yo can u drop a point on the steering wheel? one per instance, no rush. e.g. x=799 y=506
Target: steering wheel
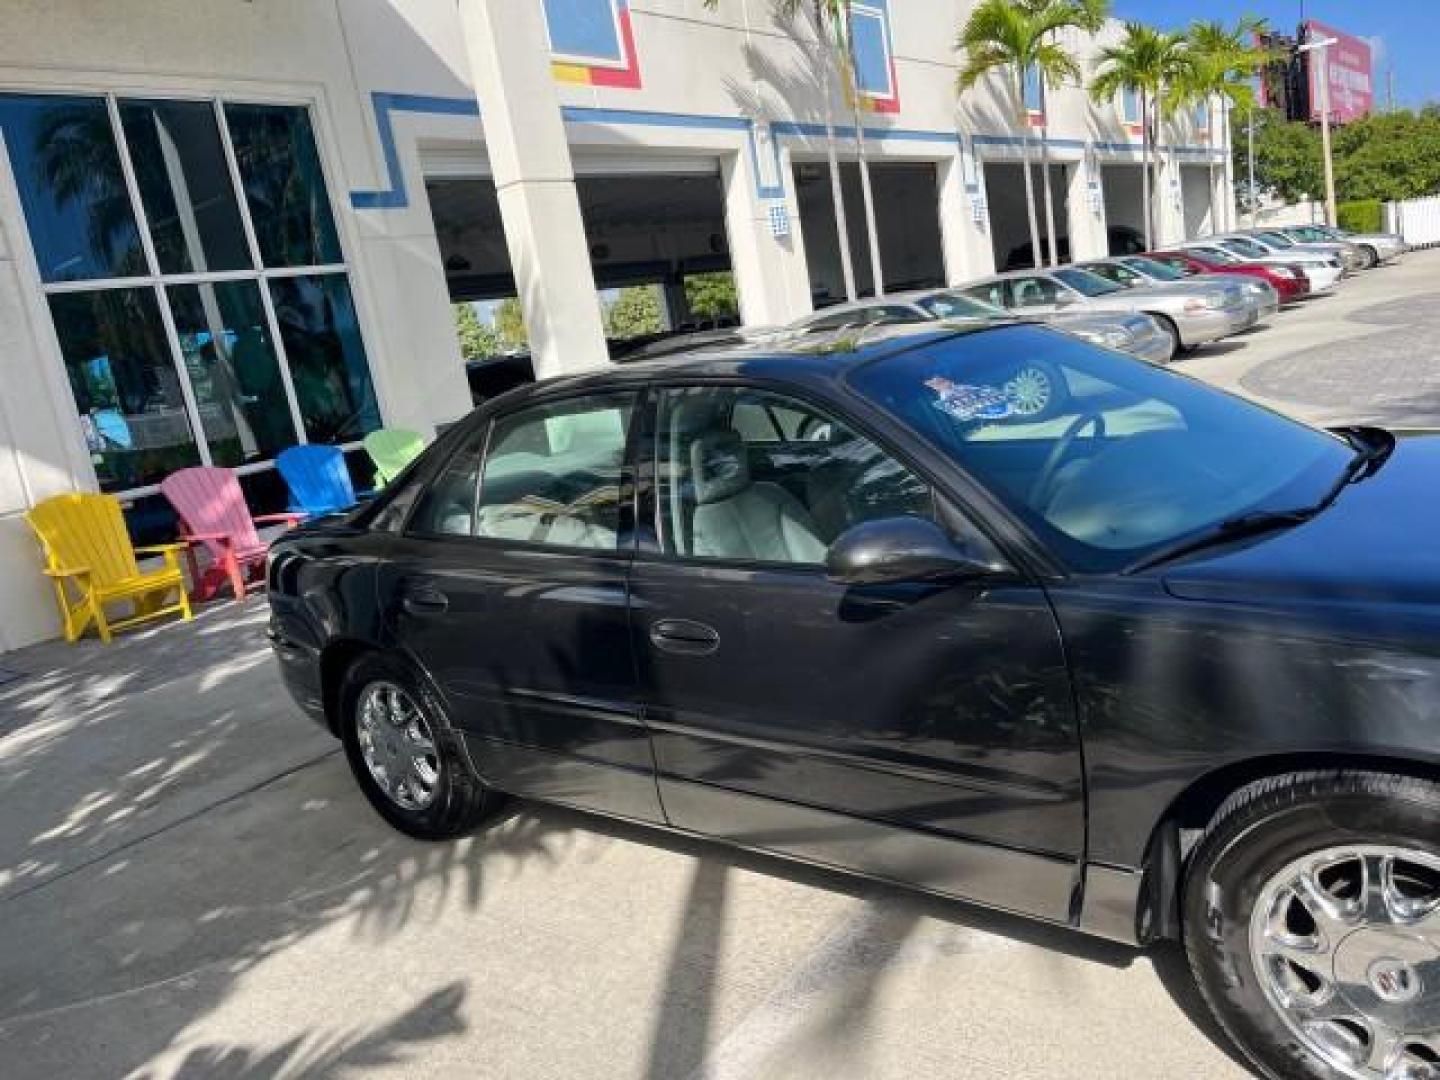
x=1040 y=490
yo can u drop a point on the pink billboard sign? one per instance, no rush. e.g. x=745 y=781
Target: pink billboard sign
x=1352 y=88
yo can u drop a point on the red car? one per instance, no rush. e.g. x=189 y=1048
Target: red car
x=1289 y=281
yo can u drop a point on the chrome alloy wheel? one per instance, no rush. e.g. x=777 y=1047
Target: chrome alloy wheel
x=398 y=746
x=1029 y=392
x=1346 y=945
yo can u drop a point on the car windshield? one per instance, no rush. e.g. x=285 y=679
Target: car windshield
x=1086 y=283
x=956 y=305
x=1116 y=272
x=1155 y=268
x=1246 y=247
x=1218 y=255
x=1278 y=239
x=1114 y=458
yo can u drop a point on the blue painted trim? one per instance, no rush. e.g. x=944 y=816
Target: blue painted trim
x=801 y=129
x=395 y=196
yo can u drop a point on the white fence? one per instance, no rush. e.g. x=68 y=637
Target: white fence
x=1417 y=220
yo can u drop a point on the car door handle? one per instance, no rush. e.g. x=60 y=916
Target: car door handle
x=684 y=637
x=424 y=601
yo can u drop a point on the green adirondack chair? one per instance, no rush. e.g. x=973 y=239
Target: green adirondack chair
x=391 y=449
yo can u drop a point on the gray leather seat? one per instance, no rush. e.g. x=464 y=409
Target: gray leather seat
x=737 y=518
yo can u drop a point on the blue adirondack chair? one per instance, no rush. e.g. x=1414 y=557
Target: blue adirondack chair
x=318 y=480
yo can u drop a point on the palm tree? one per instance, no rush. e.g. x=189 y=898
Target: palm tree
x=829 y=20
x=1223 y=63
x=1147 y=62
x=1014 y=37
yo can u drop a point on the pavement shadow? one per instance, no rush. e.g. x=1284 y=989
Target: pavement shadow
x=317 y=1055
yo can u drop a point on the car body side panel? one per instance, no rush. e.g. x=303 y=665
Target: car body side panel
x=322 y=590
x=533 y=657
x=1170 y=692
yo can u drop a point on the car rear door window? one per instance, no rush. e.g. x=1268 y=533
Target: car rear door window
x=554 y=473
x=447 y=505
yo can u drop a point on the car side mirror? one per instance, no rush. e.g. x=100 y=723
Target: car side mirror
x=900 y=549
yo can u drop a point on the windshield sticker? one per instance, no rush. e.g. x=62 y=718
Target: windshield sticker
x=966 y=402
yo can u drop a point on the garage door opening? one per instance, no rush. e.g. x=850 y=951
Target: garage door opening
x=907 y=220
x=1195 y=189
x=1010 y=219
x=656 y=243
x=1124 y=208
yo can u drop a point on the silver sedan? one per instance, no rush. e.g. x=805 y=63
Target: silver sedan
x=1191 y=314
x=1376 y=248
x=1136 y=271
x=1129 y=332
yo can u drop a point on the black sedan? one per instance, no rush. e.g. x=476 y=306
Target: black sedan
x=1165 y=664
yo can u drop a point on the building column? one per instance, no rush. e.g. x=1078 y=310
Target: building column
x=964 y=242
x=1086 y=201
x=509 y=56
x=767 y=254
x=1170 y=213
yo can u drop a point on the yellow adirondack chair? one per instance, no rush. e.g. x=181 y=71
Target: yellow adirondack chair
x=91 y=562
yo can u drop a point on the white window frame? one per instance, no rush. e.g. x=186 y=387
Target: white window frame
x=157 y=281
x=614 y=63
x=881 y=17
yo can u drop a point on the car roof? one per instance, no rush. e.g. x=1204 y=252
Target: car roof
x=865 y=303
x=818 y=359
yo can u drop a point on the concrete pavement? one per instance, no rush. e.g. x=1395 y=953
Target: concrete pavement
x=191 y=886
x=1368 y=354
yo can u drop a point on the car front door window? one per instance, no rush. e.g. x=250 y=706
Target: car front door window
x=1034 y=292
x=732 y=488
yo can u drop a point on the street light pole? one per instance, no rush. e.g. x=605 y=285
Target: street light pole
x=1254 y=202
x=1323 y=46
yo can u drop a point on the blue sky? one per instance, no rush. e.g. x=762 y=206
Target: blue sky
x=1408 y=31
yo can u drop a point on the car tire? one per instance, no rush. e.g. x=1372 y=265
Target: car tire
x=1037 y=390
x=1172 y=331
x=1363 y=848
x=1370 y=257
x=387 y=717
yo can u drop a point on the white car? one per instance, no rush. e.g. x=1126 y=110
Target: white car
x=1324 y=271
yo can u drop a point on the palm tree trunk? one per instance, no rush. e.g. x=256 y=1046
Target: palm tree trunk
x=837 y=195
x=1036 y=258
x=872 y=233
x=1050 y=237
x=1049 y=195
x=1215 y=224
x=1145 y=172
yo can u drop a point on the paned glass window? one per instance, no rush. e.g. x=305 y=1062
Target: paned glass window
x=194 y=273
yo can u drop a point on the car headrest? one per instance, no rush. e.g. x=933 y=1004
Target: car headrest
x=718 y=466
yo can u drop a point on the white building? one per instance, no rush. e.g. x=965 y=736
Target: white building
x=230 y=225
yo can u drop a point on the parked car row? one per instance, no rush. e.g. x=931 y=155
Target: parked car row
x=1204 y=291
x=1153 y=305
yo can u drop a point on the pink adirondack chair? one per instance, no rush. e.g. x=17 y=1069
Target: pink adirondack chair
x=212 y=512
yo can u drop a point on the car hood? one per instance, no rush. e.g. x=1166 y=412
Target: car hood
x=1378 y=542
x=1133 y=322
x=1180 y=291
